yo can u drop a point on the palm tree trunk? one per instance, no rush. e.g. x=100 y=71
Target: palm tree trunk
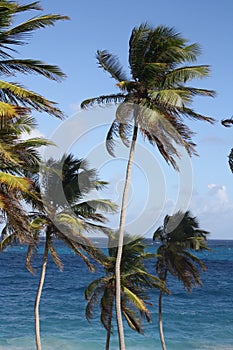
x=160 y=316
x=109 y=326
x=121 y=239
x=38 y=295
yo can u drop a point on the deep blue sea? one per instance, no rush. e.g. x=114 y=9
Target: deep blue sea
x=200 y=321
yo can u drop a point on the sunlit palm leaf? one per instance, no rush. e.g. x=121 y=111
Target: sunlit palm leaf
x=16 y=94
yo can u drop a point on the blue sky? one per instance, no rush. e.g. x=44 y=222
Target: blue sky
x=104 y=25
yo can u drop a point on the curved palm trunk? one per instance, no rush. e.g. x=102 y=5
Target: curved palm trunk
x=38 y=295
x=160 y=317
x=161 y=322
x=120 y=241
x=109 y=326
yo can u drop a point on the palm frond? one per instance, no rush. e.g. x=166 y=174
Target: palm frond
x=8 y=67
x=31 y=6
x=55 y=256
x=8 y=112
x=110 y=64
x=30 y=253
x=184 y=74
x=134 y=299
x=21 y=31
x=112 y=133
x=133 y=322
x=102 y=100
x=15 y=182
x=227 y=122
x=231 y=160
x=15 y=94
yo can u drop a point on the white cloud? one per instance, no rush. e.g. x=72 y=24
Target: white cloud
x=214 y=210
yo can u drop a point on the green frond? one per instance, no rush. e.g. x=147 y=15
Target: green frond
x=165 y=132
x=76 y=225
x=38 y=223
x=21 y=31
x=189 y=113
x=105 y=99
x=171 y=98
x=30 y=253
x=8 y=155
x=133 y=322
x=15 y=182
x=134 y=299
x=16 y=95
x=196 y=260
x=191 y=52
x=8 y=112
x=75 y=247
x=184 y=74
x=7 y=241
x=35 y=142
x=92 y=286
x=110 y=64
x=112 y=133
x=55 y=255
x=23 y=124
x=31 y=6
x=8 y=67
x=200 y=92
x=104 y=205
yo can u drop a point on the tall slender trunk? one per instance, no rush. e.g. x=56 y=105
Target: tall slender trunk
x=109 y=326
x=160 y=316
x=121 y=239
x=38 y=295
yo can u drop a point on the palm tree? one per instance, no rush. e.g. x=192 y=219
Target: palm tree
x=154 y=100
x=55 y=222
x=18 y=158
x=135 y=283
x=227 y=123
x=12 y=36
x=179 y=234
x=16 y=103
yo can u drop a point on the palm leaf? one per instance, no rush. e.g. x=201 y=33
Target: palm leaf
x=8 y=67
x=133 y=322
x=15 y=182
x=30 y=253
x=134 y=299
x=8 y=112
x=110 y=63
x=14 y=93
x=184 y=74
x=55 y=255
x=31 y=6
x=105 y=99
x=17 y=33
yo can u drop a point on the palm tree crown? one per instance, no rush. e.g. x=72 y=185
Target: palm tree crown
x=179 y=235
x=159 y=80
x=10 y=38
x=135 y=283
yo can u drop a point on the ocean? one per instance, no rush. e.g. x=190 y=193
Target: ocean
x=202 y=320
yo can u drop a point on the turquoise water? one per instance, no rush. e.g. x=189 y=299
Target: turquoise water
x=200 y=321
